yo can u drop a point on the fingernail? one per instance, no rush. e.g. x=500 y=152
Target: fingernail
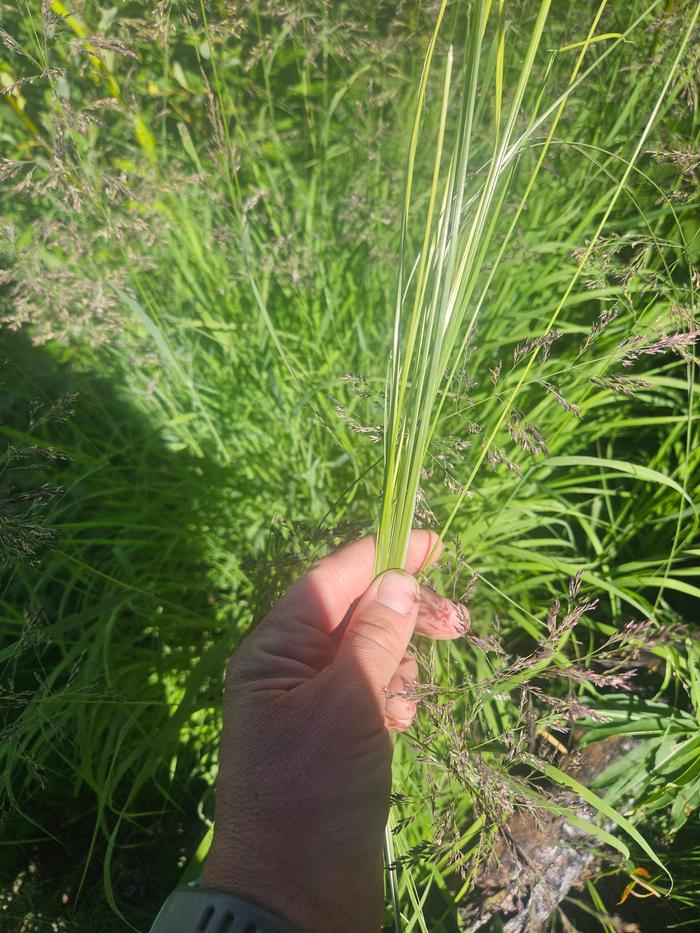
x=398 y=591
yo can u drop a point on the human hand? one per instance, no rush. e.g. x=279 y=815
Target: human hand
x=305 y=765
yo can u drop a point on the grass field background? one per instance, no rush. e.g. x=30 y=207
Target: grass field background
x=198 y=251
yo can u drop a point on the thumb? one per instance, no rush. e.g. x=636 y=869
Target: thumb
x=380 y=628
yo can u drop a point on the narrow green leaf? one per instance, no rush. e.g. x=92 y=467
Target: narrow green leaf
x=646 y=474
x=565 y=780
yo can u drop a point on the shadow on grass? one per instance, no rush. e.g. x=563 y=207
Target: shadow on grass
x=112 y=645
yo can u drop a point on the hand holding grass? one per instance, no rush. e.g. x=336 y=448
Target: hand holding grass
x=305 y=768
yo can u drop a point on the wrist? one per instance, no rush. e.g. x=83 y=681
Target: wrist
x=301 y=894
x=274 y=890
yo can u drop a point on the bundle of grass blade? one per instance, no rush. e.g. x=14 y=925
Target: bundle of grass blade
x=433 y=298
x=437 y=303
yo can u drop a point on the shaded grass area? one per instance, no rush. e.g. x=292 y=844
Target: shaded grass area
x=134 y=659
x=207 y=263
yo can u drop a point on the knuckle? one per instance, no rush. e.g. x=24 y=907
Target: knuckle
x=371 y=636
